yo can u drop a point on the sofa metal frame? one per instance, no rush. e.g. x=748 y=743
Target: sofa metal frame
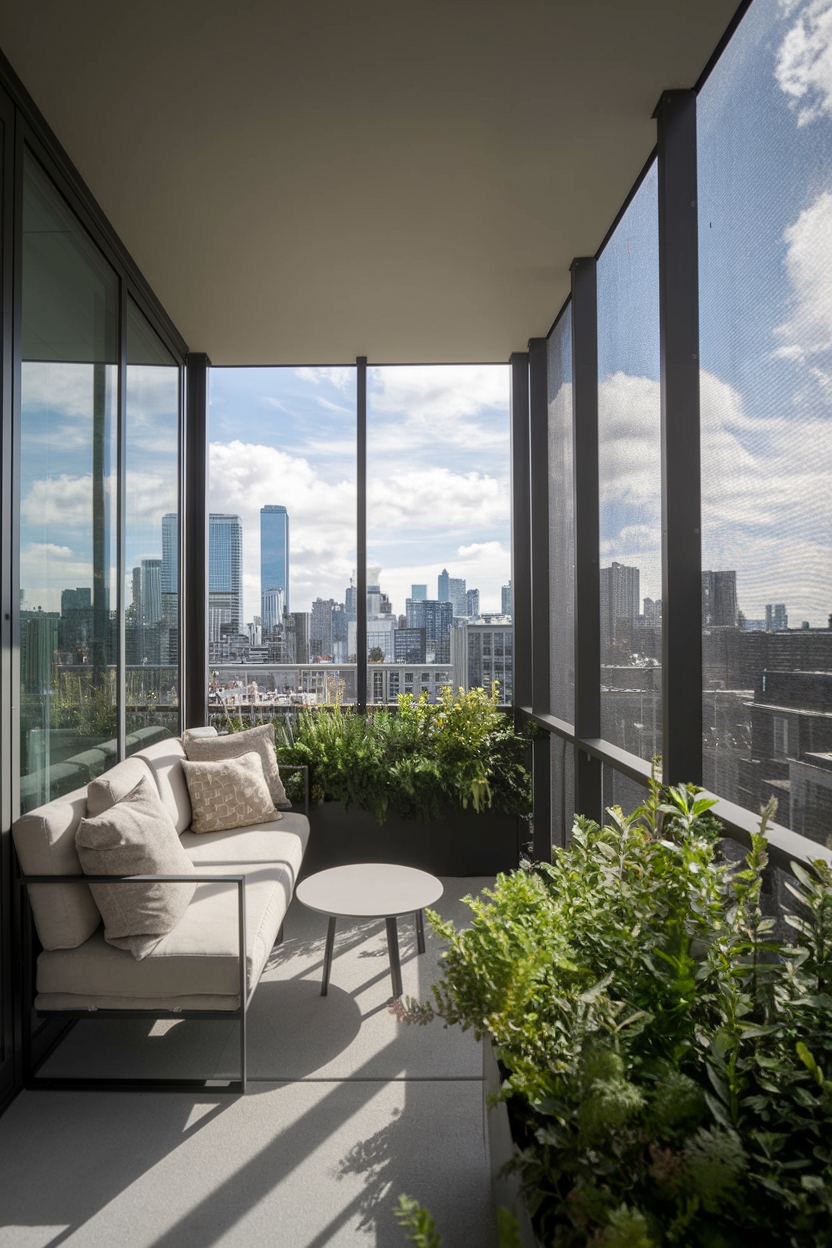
x=34 y=1082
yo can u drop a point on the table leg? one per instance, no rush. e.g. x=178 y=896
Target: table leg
x=395 y=963
x=330 y=944
x=420 y=930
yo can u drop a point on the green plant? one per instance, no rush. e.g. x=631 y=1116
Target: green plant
x=667 y=1062
x=459 y=751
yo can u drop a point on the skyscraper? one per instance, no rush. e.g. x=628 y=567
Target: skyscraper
x=419 y=593
x=225 y=573
x=456 y=594
x=274 y=551
x=443 y=592
x=719 y=599
x=505 y=599
x=170 y=553
x=472 y=599
x=619 y=601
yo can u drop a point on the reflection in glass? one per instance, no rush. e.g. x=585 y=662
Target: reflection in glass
x=438 y=529
x=561 y=521
x=629 y=467
x=765 y=231
x=151 y=634
x=281 y=565
x=68 y=633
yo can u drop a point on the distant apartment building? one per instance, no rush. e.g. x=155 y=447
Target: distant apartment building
x=482 y=654
x=619 y=603
x=274 y=552
x=409 y=645
x=472 y=604
x=505 y=600
x=777 y=620
x=320 y=628
x=418 y=593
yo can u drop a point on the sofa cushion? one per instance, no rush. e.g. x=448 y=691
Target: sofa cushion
x=136 y=836
x=65 y=914
x=283 y=842
x=164 y=758
x=198 y=958
x=116 y=784
x=233 y=745
x=228 y=793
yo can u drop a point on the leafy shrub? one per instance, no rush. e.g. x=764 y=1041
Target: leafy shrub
x=459 y=751
x=665 y=1058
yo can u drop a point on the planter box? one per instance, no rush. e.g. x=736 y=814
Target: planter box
x=459 y=842
x=497 y=1131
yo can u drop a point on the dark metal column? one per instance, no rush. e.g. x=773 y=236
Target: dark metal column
x=587 y=578
x=361 y=535
x=539 y=518
x=521 y=571
x=681 y=505
x=121 y=525
x=193 y=574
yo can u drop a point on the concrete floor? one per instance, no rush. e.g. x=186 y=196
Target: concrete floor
x=346 y=1108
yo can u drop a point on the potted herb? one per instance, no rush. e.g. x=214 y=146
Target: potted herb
x=666 y=1061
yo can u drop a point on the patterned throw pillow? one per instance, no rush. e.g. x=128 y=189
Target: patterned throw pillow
x=260 y=739
x=228 y=793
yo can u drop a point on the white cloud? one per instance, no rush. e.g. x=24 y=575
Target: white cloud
x=804 y=61
x=341 y=378
x=65 y=501
x=485 y=566
x=809 y=243
x=422 y=499
x=48 y=549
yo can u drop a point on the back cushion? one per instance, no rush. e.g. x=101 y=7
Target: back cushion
x=65 y=914
x=165 y=761
x=115 y=784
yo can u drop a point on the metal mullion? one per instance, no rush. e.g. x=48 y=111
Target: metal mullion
x=521 y=576
x=361 y=534
x=193 y=569
x=681 y=484
x=539 y=531
x=588 y=799
x=121 y=524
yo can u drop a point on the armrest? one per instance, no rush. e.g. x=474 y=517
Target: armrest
x=304 y=767
x=240 y=880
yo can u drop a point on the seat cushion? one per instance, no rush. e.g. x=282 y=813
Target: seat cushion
x=197 y=959
x=136 y=836
x=65 y=914
x=283 y=842
x=164 y=759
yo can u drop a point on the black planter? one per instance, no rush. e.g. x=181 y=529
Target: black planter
x=459 y=842
x=501 y=1148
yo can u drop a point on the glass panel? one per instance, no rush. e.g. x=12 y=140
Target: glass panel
x=69 y=378
x=561 y=522
x=629 y=465
x=151 y=536
x=282 y=503
x=438 y=523
x=765 y=231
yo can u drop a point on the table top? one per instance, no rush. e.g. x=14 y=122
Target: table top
x=369 y=890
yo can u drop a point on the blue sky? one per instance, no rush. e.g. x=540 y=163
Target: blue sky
x=437 y=473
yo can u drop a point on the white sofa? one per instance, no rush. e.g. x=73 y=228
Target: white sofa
x=196 y=967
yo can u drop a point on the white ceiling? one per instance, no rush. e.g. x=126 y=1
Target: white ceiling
x=409 y=180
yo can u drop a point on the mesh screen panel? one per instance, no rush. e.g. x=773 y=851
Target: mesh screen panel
x=561 y=522
x=629 y=463
x=765 y=231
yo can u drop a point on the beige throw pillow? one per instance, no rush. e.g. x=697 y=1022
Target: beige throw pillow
x=228 y=793
x=260 y=739
x=136 y=836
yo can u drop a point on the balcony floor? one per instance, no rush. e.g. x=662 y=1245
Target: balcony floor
x=345 y=1109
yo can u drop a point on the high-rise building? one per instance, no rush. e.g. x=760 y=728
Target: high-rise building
x=472 y=600
x=320 y=628
x=777 y=621
x=457 y=595
x=409 y=645
x=443 y=591
x=505 y=599
x=274 y=551
x=419 y=593
x=150 y=593
x=272 y=605
x=719 y=599
x=351 y=600
x=435 y=618
x=619 y=602
x=225 y=573
x=482 y=655
x=170 y=553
